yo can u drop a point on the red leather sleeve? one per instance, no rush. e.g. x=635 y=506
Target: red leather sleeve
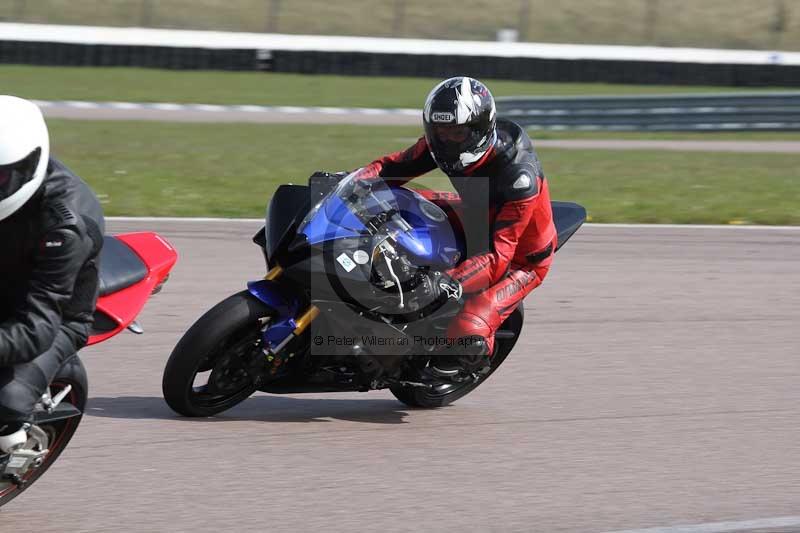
x=408 y=163
x=482 y=271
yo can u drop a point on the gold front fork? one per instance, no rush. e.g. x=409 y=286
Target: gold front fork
x=274 y=273
x=305 y=320
x=307 y=317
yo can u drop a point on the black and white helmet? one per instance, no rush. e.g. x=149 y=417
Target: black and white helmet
x=24 y=153
x=459 y=118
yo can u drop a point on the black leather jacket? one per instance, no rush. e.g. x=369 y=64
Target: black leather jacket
x=49 y=269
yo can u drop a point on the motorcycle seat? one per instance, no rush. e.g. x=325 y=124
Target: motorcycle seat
x=568 y=217
x=120 y=267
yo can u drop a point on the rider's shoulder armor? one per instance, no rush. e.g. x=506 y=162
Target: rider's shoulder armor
x=519 y=169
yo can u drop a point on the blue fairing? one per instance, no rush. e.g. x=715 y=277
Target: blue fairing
x=323 y=227
x=430 y=242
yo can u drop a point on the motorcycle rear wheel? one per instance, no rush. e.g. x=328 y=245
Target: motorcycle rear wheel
x=446 y=393
x=60 y=432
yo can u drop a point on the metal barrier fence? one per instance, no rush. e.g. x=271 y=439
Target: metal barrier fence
x=359 y=56
x=389 y=64
x=715 y=112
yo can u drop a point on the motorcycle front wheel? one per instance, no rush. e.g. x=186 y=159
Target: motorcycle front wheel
x=206 y=373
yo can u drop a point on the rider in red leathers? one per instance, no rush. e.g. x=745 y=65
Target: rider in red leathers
x=494 y=168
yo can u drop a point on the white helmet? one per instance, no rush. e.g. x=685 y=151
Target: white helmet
x=24 y=153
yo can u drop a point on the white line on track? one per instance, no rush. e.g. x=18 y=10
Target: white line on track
x=81 y=105
x=290 y=109
x=210 y=108
x=590 y=225
x=329 y=110
x=250 y=108
x=724 y=527
x=215 y=108
x=122 y=105
x=165 y=107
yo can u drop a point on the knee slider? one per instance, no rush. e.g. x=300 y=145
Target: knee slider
x=469 y=324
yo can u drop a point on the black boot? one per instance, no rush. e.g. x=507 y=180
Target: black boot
x=466 y=356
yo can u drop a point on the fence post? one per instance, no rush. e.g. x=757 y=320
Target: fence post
x=273 y=11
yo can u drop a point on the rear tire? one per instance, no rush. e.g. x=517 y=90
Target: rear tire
x=234 y=320
x=446 y=394
x=71 y=373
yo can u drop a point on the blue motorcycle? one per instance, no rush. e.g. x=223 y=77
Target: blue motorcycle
x=347 y=303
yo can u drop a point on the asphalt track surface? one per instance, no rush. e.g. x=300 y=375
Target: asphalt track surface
x=169 y=112
x=656 y=384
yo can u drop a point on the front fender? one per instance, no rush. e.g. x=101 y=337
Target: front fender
x=284 y=304
x=272 y=294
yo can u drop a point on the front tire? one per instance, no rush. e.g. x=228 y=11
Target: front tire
x=215 y=343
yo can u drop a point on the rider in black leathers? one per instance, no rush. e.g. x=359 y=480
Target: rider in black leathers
x=48 y=273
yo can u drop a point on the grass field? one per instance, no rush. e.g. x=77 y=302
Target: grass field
x=232 y=169
x=708 y=23
x=213 y=87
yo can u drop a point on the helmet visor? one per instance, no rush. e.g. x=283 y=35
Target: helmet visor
x=14 y=176
x=451 y=134
x=450 y=142
x=454 y=139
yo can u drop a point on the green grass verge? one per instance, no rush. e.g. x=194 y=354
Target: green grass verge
x=142 y=168
x=259 y=88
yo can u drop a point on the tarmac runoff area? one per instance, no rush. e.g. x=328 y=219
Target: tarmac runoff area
x=654 y=390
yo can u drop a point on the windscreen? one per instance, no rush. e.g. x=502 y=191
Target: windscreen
x=360 y=204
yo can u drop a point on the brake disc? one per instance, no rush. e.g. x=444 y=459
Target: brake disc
x=228 y=375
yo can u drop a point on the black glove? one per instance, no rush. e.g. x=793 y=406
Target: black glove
x=443 y=287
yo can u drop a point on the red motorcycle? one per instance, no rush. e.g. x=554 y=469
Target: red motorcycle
x=132 y=267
